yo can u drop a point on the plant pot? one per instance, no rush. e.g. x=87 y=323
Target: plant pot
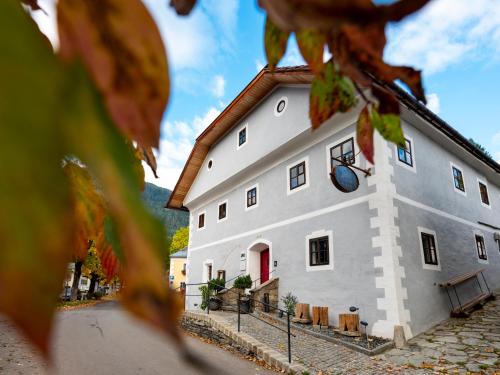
x=215 y=303
x=244 y=305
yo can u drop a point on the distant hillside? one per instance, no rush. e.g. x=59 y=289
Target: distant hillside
x=155 y=198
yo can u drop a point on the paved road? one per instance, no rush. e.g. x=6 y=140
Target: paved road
x=103 y=340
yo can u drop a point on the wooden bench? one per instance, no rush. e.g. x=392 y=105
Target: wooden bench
x=464 y=309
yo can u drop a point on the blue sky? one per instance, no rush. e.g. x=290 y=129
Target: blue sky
x=214 y=52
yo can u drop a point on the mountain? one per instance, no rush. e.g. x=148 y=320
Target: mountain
x=155 y=198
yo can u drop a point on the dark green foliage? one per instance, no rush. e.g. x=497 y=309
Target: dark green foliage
x=155 y=198
x=243 y=282
x=206 y=293
x=217 y=284
x=480 y=148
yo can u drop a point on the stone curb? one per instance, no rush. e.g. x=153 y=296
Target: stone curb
x=262 y=351
x=378 y=350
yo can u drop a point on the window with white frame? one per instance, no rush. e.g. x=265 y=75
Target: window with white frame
x=483 y=193
x=242 y=136
x=343 y=151
x=252 y=197
x=429 y=249
x=222 y=211
x=458 y=179
x=201 y=220
x=319 y=251
x=405 y=154
x=481 y=248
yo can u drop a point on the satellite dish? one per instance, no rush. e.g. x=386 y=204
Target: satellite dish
x=344 y=179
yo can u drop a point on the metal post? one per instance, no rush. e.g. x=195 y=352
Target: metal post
x=478 y=283
x=239 y=318
x=458 y=299
x=487 y=287
x=289 y=338
x=208 y=303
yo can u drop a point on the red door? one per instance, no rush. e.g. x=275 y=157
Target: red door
x=264 y=266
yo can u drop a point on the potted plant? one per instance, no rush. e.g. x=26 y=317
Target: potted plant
x=244 y=282
x=289 y=301
x=217 y=285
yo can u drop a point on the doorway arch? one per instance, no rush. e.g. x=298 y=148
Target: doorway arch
x=256 y=254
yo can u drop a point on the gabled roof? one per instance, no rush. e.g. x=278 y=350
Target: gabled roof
x=182 y=253
x=255 y=91
x=262 y=84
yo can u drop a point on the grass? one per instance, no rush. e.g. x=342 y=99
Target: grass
x=461 y=363
x=483 y=367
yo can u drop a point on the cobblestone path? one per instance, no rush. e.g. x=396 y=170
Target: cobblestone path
x=317 y=354
x=457 y=345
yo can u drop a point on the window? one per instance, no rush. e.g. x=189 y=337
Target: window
x=318 y=251
x=252 y=197
x=481 y=249
x=201 y=220
x=405 y=154
x=429 y=249
x=210 y=164
x=458 y=179
x=221 y=274
x=183 y=285
x=242 y=137
x=209 y=272
x=298 y=175
x=280 y=107
x=483 y=191
x=343 y=151
x=222 y=211
x=84 y=282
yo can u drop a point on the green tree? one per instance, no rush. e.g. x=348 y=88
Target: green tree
x=480 y=147
x=92 y=269
x=179 y=240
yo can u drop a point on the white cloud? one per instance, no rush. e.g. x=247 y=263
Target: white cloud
x=259 y=65
x=176 y=147
x=218 y=86
x=224 y=15
x=446 y=33
x=433 y=102
x=495 y=141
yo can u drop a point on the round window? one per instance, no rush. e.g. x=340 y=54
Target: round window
x=280 y=106
x=210 y=163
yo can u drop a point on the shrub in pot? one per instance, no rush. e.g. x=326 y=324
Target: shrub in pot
x=243 y=282
x=217 y=284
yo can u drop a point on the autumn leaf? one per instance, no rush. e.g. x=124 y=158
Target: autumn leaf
x=36 y=225
x=146 y=154
x=389 y=126
x=311 y=44
x=121 y=47
x=364 y=134
x=275 y=41
x=142 y=238
x=324 y=15
x=330 y=93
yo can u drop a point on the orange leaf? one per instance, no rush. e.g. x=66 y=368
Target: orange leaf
x=121 y=47
x=364 y=134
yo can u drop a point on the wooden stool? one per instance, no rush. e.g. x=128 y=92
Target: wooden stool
x=302 y=313
x=349 y=325
x=320 y=316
